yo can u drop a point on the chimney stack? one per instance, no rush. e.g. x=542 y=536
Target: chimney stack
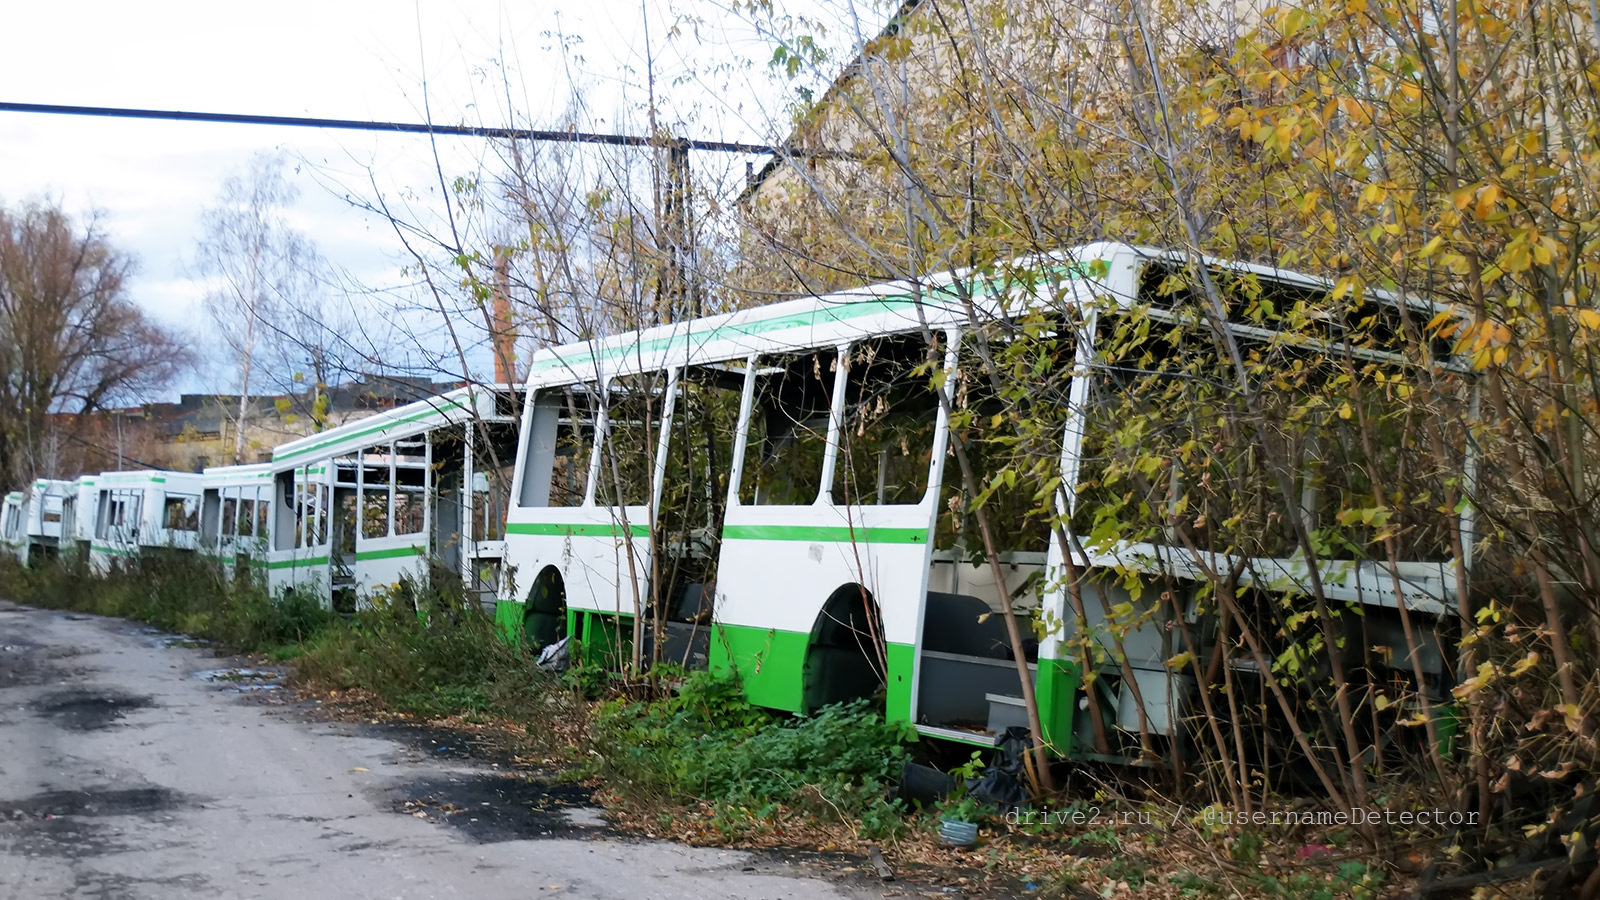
x=504 y=335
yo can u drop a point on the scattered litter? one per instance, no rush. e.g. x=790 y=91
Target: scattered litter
x=882 y=865
x=555 y=658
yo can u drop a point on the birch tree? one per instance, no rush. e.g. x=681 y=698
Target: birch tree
x=264 y=277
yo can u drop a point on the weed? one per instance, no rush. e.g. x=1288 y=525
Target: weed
x=706 y=741
x=1191 y=885
x=1122 y=869
x=1246 y=847
x=179 y=592
x=1352 y=879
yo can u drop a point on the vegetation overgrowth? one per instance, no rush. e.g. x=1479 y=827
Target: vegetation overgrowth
x=689 y=757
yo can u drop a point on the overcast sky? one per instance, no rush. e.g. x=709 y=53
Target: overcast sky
x=354 y=60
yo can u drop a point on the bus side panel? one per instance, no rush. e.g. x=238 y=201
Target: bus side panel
x=586 y=545
x=780 y=565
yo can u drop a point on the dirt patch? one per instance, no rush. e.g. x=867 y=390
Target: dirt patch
x=62 y=838
x=491 y=808
x=433 y=742
x=65 y=824
x=111 y=884
x=88 y=709
x=24 y=663
x=21 y=664
x=94 y=802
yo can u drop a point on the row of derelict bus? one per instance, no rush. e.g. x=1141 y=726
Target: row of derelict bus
x=383 y=495
x=768 y=491
x=115 y=514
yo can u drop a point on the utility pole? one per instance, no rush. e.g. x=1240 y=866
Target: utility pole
x=683 y=294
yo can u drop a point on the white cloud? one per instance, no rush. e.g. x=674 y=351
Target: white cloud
x=357 y=60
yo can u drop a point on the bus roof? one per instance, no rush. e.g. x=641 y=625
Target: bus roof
x=242 y=474
x=895 y=307
x=471 y=403
x=150 y=476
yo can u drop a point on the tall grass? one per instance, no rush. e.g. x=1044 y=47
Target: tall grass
x=174 y=591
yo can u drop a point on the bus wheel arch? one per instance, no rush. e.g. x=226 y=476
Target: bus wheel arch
x=544 y=615
x=845 y=652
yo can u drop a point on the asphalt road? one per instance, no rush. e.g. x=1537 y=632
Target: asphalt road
x=130 y=767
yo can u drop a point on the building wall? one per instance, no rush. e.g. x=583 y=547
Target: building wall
x=1012 y=115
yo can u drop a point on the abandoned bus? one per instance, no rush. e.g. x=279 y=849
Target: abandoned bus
x=13 y=520
x=78 y=518
x=774 y=489
x=364 y=507
x=142 y=511
x=31 y=521
x=234 y=512
x=45 y=506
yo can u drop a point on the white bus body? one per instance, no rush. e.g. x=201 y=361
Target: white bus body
x=144 y=510
x=234 y=514
x=13 y=526
x=361 y=508
x=45 y=506
x=791 y=576
x=78 y=517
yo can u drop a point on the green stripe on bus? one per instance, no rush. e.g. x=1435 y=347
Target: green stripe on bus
x=826 y=534
x=117 y=551
x=598 y=529
x=391 y=553
x=297 y=563
x=442 y=407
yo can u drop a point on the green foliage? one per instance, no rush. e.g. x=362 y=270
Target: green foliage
x=1191 y=885
x=423 y=646
x=706 y=741
x=178 y=592
x=963 y=808
x=1123 y=869
x=1355 y=880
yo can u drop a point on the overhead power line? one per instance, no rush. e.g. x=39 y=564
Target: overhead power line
x=526 y=134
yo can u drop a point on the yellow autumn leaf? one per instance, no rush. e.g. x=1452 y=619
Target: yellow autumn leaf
x=1487 y=198
x=1524 y=664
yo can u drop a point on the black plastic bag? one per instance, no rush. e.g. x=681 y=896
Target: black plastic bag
x=1001 y=782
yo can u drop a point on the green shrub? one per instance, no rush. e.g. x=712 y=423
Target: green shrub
x=706 y=741
x=174 y=591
